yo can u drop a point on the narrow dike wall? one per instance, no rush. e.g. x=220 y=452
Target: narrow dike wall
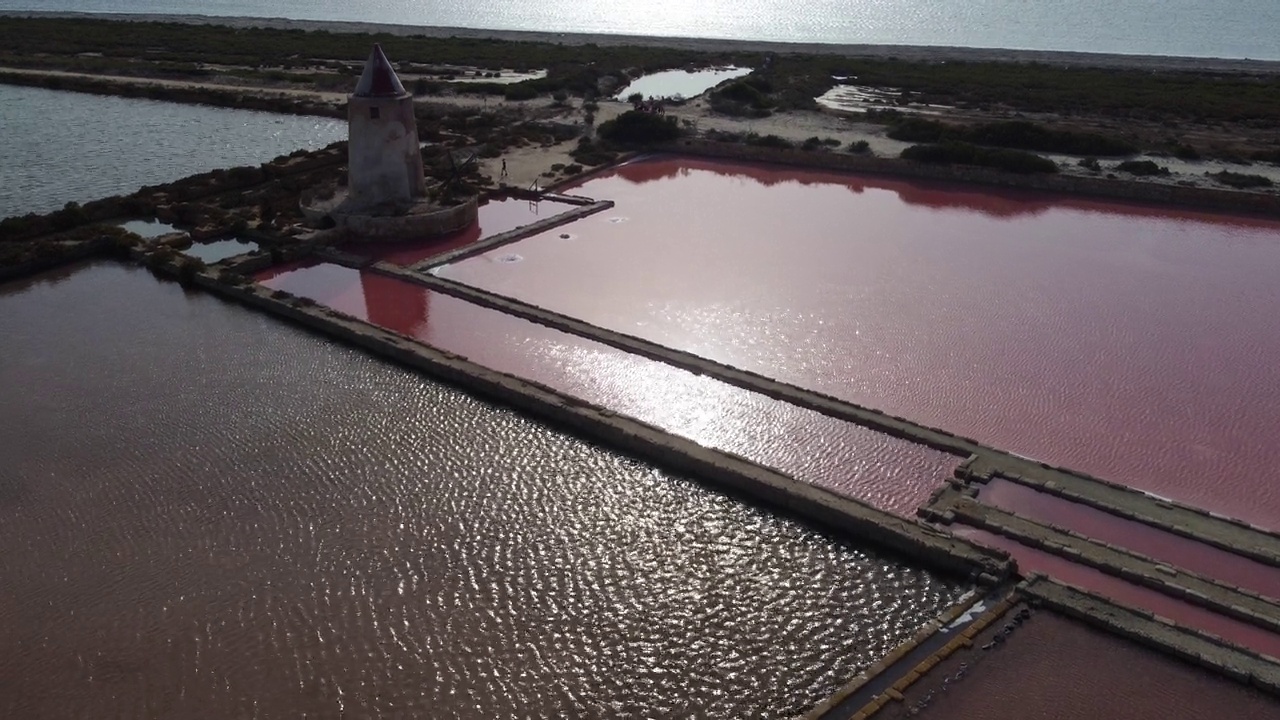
x=849 y=517
x=477 y=248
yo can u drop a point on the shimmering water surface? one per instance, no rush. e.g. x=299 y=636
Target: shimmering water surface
x=1227 y=28
x=1131 y=342
x=76 y=147
x=672 y=83
x=207 y=514
x=889 y=473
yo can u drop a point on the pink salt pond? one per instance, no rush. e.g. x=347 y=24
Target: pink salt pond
x=1160 y=545
x=1031 y=560
x=889 y=473
x=496 y=216
x=1130 y=342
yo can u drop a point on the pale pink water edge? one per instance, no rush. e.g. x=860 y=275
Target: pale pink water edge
x=1130 y=342
x=494 y=217
x=887 y=472
x=1162 y=545
x=1032 y=560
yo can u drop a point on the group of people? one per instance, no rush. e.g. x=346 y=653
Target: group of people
x=652 y=105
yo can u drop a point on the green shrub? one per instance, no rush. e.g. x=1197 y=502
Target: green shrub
x=769 y=141
x=957 y=153
x=188 y=268
x=1144 y=168
x=724 y=106
x=519 y=91
x=1241 y=181
x=1091 y=164
x=589 y=153
x=1183 y=151
x=1015 y=134
x=640 y=128
x=572 y=169
x=860 y=147
x=1269 y=156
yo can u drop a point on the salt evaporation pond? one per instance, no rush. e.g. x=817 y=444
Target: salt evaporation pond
x=889 y=473
x=77 y=147
x=219 y=250
x=149 y=228
x=206 y=513
x=1131 y=342
x=684 y=83
x=1033 y=560
x=1055 y=668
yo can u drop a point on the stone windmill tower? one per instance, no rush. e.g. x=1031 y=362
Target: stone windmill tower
x=384 y=162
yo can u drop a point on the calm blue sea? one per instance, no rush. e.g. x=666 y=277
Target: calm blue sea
x=1200 y=28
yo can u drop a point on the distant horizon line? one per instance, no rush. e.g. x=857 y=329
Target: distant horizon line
x=919 y=53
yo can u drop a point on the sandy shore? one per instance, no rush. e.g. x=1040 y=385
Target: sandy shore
x=903 y=52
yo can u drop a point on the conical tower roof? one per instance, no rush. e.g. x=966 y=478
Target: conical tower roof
x=379 y=78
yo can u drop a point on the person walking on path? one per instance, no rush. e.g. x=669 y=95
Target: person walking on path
x=504 y=168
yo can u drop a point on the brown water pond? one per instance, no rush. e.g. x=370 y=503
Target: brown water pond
x=207 y=514
x=889 y=473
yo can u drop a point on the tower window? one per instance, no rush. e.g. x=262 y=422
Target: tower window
x=373 y=113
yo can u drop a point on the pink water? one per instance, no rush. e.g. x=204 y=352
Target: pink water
x=1052 y=668
x=889 y=473
x=1130 y=342
x=1126 y=593
x=496 y=216
x=1137 y=537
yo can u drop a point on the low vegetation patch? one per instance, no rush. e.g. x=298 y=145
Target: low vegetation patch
x=1142 y=168
x=592 y=154
x=1014 y=134
x=1268 y=156
x=634 y=127
x=958 y=153
x=860 y=147
x=747 y=97
x=768 y=141
x=1241 y=181
x=1124 y=94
